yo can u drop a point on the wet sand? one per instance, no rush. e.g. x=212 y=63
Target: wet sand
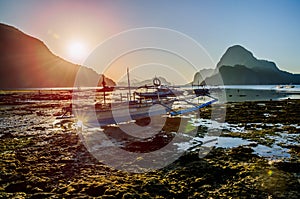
x=43 y=158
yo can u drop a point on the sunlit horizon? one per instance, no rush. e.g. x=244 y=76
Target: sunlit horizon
x=268 y=29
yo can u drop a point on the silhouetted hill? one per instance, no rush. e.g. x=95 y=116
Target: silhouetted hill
x=238 y=55
x=200 y=76
x=27 y=62
x=238 y=66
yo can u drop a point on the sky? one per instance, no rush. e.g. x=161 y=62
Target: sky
x=72 y=29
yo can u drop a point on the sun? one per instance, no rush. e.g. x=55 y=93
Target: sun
x=77 y=51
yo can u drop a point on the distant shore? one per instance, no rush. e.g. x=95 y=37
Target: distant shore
x=229 y=93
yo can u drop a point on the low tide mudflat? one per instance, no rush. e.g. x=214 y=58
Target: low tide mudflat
x=258 y=155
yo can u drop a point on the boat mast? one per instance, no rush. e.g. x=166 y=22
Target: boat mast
x=129 y=89
x=103 y=86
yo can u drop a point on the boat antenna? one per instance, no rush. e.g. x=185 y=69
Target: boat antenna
x=129 y=89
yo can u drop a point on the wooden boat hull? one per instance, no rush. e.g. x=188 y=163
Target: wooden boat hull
x=120 y=113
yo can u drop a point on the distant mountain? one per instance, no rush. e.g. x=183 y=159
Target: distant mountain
x=238 y=66
x=238 y=55
x=200 y=76
x=27 y=62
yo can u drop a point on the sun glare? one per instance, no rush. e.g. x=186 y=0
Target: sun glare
x=77 y=51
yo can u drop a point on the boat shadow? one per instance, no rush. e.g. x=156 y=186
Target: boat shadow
x=162 y=137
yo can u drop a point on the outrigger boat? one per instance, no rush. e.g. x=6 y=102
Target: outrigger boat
x=158 y=102
x=201 y=91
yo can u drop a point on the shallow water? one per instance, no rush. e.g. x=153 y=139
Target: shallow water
x=278 y=150
x=275 y=151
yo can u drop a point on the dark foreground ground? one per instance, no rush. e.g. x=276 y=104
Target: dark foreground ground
x=42 y=160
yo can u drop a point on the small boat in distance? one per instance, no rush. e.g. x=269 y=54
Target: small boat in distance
x=285 y=87
x=289 y=86
x=201 y=91
x=279 y=86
